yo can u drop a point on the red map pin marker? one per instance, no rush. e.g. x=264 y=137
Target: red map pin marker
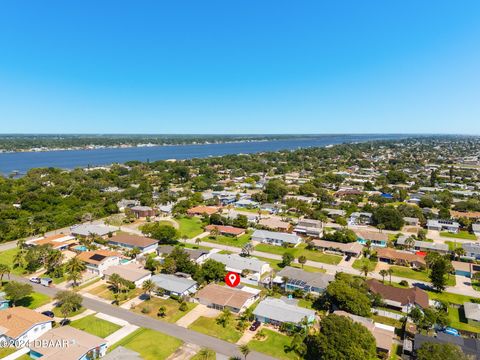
x=232 y=279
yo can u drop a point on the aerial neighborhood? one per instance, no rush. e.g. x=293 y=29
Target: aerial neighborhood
x=377 y=243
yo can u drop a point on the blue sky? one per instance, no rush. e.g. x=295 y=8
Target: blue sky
x=240 y=66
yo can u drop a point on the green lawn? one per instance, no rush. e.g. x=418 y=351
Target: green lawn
x=104 y=292
x=95 y=326
x=189 y=226
x=88 y=283
x=230 y=240
x=209 y=326
x=452 y=245
x=7 y=256
x=34 y=300
x=451 y=298
x=194 y=246
x=465 y=235
x=205 y=354
x=357 y=264
x=275 y=265
x=173 y=314
x=312 y=255
x=150 y=344
x=406 y=272
x=5 y=351
x=458 y=320
x=58 y=313
x=274 y=345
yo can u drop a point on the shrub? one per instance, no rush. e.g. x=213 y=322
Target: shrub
x=145 y=310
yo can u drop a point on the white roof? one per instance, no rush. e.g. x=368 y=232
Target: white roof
x=279 y=310
x=236 y=262
x=284 y=237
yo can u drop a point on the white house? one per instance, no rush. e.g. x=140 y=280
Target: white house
x=443 y=225
x=276 y=238
x=175 y=285
x=309 y=227
x=239 y=264
x=132 y=272
x=22 y=325
x=97 y=261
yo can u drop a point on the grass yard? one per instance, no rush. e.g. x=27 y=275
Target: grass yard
x=58 y=313
x=189 y=226
x=274 y=345
x=104 y=292
x=34 y=300
x=464 y=235
x=312 y=255
x=193 y=246
x=150 y=344
x=357 y=264
x=204 y=354
x=405 y=272
x=452 y=245
x=451 y=298
x=274 y=264
x=6 y=258
x=209 y=326
x=95 y=326
x=230 y=240
x=5 y=351
x=458 y=320
x=87 y=283
x=173 y=314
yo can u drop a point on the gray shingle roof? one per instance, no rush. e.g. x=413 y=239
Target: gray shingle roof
x=234 y=261
x=88 y=229
x=284 y=237
x=278 y=310
x=424 y=244
x=173 y=283
x=317 y=280
x=472 y=311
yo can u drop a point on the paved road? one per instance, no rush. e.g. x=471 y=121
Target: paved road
x=188 y=336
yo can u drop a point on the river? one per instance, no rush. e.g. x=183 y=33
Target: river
x=68 y=159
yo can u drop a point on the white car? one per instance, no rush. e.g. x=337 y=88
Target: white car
x=35 y=280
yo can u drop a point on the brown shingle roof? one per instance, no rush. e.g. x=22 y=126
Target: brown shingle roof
x=89 y=256
x=224 y=296
x=412 y=295
x=133 y=240
x=200 y=210
x=393 y=254
x=371 y=235
x=222 y=229
x=19 y=319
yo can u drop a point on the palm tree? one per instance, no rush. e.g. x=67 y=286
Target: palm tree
x=459 y=252
x=162 y=311
x=53 y=259
x=198 y=240
x=365 y=269
x=4 y=270
x=19 y=259
x=383 y=273
x=245 y=350
x=390 y=272
x=74 y=268
x=302 y=260
x=115 y=281
x=285 y=280
x=247 y=248
x=409 y=242
x=148 y=286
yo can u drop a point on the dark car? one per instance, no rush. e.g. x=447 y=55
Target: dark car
x=255 y=325
x=348 y=258
x=64 y=322
x=48 y=313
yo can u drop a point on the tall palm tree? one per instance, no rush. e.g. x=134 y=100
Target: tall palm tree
x=390 y=272
x=148 y=286
x=115 y=281
x=53 y=259
x=383 y=273
x=74 y=268
x=19 y=259
x=245 y=350
x=365 y=269
x=4 y=270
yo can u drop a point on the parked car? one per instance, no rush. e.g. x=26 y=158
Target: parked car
x=348 y=258
x=49 y=314
x=35 y=280
x=64 y=322
x=255 y=325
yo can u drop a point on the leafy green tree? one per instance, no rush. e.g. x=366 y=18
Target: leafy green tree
x=17 y=291
x=165 y=234
x=389 y=216
x=68 y=301
x=4 y=270
x=342 y=236
x=434 y=351
x=275 y=190
x=438 y=273
x=211 y=270
x=74 y=268
x=162 y=311
x=287 y=258
x=340 y=338
x=344 y=296
x=224 y=318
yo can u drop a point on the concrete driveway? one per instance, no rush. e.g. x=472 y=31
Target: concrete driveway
x=199 y=310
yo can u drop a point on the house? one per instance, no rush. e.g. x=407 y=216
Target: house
x=86 y=230
x=57 y=242
x=376 y=238
x=472 y=250
x=465 y=269
x=411 y=221
x=246 y=204
x=223 y=297
x=400 y=299
x=4 y=302
x=352 y=249
x=175 y=285
x=384 y=334
x=132 y=272
x=309 y=227
x=124 y=204
x=97 y=261
x=476 y=229
x=226 y=230
x=196 y=255
x=276 y=238
x=270 y=208
x=166 y=209
x=423 y=245
x=403 y=258
x=469 y=346
x=472 y=312
x=443 y=225
x=348 y=192
x=334 y=213
x=279 y=311
x=252 y=268
x=77 y=345
x=203 y=210
x=22 y=325
x=473 y=215
x=274 y=224
x=129 y=241
x=143 y=211
x=360 y=218
x=297 y=279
